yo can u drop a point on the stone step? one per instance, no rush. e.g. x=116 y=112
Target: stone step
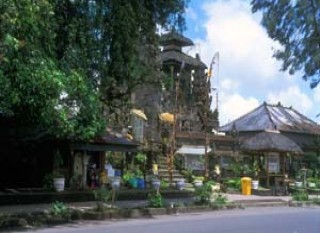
x=167 y=177
x=166 y=171
x=174 y=179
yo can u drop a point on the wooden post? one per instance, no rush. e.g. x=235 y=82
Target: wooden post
x=268 y=178
x=173 y=136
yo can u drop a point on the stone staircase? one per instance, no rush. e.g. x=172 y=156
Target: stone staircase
x=164 y=173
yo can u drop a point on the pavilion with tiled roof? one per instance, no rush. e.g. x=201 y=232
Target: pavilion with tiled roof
x=274 y=133
x=288 y=121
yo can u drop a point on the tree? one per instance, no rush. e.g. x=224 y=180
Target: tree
x=133 y=48
x=68 y=65
x=295 y=25
x=40 y=97
x=116 y=42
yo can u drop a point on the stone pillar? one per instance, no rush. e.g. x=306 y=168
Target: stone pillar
x=85 y=161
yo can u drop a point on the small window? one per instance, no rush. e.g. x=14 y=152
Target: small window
x=226 y=161
x=273 y=163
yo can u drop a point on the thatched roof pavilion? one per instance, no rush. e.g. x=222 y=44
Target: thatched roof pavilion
x=274 y=134
x=270 y=141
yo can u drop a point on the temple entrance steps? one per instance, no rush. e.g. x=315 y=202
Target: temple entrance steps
x=163 y=171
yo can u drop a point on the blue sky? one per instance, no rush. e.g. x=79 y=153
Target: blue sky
x=245 y=74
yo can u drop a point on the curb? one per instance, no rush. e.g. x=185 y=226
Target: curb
x=37 y=219
x=32 y=220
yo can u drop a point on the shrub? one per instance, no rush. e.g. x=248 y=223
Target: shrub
x=220 y=199
x=188 y=175
x=59 y=209
x=164 y=184
x=204 y=193
x=300 y=195
x=155 y=200
x=234 y=183
x=48 y=182
x=102 y=196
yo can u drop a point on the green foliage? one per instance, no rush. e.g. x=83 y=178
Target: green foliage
x=102 y=196
x=219 y=199
x=75 y=182
x=59 y=209
x=255 y=168
x=312 y=161
x=204 y=193
x=236 y=168
x=239 y=168
x=41 y=96
x=178 y=163
x=128 y=175
x=48 y=182
x=141 y=158
x=233 y=183
x=66 y=66
x=295 y=25
x=155 y=200
x=164 y=184
x=300 y=195
x=188 y=174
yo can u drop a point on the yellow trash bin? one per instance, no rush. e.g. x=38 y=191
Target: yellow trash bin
x=246 y=185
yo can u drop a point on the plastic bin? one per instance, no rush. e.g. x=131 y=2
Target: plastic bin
x=246 y=185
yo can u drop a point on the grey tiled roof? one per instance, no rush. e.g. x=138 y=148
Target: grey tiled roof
x=271 y=141
x=179 y=57
x=175 y=38
x=273 y=117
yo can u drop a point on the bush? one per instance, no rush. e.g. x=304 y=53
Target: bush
x=233 y=183
x=300 y=195
x=220 y=199
x=59 y=209
x=48 y=182
x=164 y=184
x=204 y=193
x=188 y=175
x=155 y=200
x=102 y=196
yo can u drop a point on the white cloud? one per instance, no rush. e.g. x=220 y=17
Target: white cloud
x=235 y=106
x=292 y=96
x=244 y=46
x=316 y=95
x=248 y=75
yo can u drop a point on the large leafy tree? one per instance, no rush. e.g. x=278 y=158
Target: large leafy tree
x=295 y=25
x=39 y=96
x=117 y=43
x=60 y=58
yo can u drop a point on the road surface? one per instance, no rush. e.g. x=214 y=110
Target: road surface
x=251 y=220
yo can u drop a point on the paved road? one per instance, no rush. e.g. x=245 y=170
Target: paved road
x=252 y=220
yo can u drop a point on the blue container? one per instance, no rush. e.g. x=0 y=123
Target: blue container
x=141 y=184
x=133 y=183
x=117 y=172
